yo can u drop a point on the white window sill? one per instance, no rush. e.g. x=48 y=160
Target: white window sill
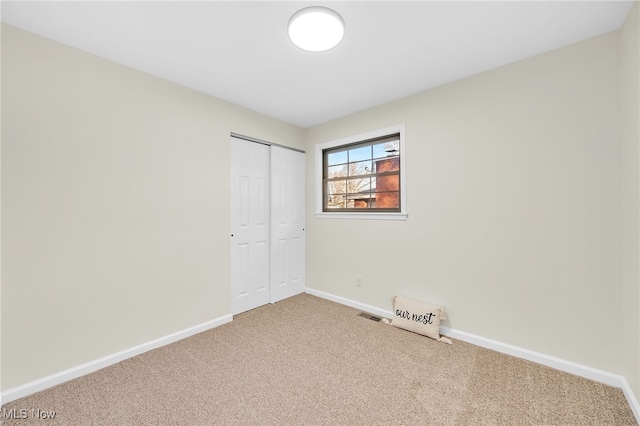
x=361 y=216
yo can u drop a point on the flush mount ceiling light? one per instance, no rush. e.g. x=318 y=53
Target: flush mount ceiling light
x=316 y=29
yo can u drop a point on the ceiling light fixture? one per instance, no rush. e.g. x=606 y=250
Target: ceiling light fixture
x=316 y=29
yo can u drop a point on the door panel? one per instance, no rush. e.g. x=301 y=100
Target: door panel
x=249 y=225
x=287 y=223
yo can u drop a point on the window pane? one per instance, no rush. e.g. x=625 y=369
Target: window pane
x=387 y=183
x=336 y=202
x=334 y=158
x=389 y=164
x=361 y=203
x=360 y=168
x=336 y=187
x=362 y=198
x=356 y=186
x=338 y=171
x=387 y=200
x=359 y=154
x=386 y=149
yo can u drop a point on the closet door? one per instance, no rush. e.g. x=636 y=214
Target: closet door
x=249 y=225
x=287 y=223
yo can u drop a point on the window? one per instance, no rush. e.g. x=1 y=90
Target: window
x=362 y=176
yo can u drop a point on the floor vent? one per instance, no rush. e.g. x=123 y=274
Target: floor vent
x=369 y=316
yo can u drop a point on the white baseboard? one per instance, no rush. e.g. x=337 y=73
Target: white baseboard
x=348 y=302
x=553 y=362
x=91 y=366
x=633 y=401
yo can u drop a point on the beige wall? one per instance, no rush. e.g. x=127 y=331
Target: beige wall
x=514 y=202
x=630 y=90
x=115 y=193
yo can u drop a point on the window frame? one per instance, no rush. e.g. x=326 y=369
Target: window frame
x=362 y=213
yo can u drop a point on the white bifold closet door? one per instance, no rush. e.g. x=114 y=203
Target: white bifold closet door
x=287 y=224
x=249 y=225
x=267 y=224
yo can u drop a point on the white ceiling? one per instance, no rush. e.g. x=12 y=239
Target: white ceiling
x=239 y=51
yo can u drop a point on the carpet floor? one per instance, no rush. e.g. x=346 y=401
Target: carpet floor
x=306 y=360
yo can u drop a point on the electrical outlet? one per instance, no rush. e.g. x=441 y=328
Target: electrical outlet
x=359 y=282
